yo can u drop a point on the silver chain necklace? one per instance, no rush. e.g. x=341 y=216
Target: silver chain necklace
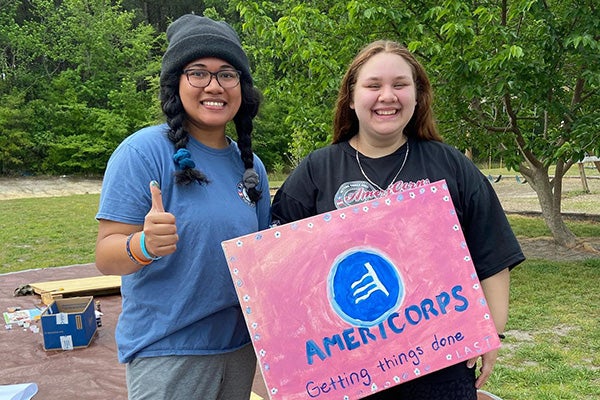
x=395 y=176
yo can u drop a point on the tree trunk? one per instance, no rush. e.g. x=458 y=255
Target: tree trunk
x=549 y=193
x=469 y=153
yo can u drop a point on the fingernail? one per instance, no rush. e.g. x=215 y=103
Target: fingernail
x=155 y=184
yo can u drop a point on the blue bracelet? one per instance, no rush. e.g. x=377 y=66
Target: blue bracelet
x=144 y=250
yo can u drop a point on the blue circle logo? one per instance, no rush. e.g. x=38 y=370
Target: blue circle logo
x=364 y=287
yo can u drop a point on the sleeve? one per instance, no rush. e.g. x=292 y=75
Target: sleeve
x=125 y=196
x=491 y=241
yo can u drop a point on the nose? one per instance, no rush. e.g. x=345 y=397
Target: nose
x=387 y=94
x=213 y=85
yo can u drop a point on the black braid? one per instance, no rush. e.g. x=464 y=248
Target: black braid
x=175 y=113
x=243 y=124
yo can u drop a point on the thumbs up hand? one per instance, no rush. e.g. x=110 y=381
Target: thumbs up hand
x=159 y=226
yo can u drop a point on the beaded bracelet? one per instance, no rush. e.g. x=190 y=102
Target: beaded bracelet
x=145 y=252
x=131 y=255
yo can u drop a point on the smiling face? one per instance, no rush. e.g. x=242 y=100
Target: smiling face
x=209 y=109
x=384 y=98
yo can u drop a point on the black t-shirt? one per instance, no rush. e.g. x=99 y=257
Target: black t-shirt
x=330 y=178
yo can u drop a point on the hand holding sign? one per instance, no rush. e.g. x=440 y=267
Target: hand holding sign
x=488 y=360
x=159 y=226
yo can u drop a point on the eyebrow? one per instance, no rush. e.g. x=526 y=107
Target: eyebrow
x=378 y=78
x=200 y=65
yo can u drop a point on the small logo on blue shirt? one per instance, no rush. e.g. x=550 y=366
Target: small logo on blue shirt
x=364 y=287
x=243 y=193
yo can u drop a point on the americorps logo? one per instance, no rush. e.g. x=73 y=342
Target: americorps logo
x=364 y=287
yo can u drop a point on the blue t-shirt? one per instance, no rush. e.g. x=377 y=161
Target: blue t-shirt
x=184 y=303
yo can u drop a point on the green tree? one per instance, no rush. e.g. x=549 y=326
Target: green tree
x=297 y=48
x=524 y=75
x=84 y=70
x=521 y=77
x=160 y=13
x=14 y=142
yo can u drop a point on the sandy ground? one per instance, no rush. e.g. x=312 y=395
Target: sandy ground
x=517 y=197
x=23 y=187
x=514 y=196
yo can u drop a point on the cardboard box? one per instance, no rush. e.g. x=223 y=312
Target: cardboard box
x=69 y=324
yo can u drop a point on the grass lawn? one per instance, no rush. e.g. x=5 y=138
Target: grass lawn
x=552 y=349
x=47 y=232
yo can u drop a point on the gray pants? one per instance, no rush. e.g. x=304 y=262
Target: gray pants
x=227 y=376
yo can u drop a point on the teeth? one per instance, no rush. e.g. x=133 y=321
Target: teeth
x=214 y=103
x=385 y=112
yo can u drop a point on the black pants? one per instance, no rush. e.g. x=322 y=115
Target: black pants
x=453 y=383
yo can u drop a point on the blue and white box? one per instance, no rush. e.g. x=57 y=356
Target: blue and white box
x=69 y=323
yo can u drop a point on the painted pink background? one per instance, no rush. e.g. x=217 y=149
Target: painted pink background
x=280 y=275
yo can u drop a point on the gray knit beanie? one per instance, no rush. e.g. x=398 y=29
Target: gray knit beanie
x=191 y=37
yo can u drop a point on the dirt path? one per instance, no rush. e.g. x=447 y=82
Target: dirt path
x=516 y=196
x=23 y=187
x=519 y=197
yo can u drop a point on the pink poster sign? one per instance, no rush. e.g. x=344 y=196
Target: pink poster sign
x=351 y=302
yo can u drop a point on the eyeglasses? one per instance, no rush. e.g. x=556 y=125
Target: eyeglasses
x=201 y=78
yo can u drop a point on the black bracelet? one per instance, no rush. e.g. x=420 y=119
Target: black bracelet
x=501 y=336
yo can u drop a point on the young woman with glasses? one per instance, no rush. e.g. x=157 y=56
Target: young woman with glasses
x=171 y=194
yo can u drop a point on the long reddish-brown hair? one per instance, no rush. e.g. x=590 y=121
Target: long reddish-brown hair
x=421 y=125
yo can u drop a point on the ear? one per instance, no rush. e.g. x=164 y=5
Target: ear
x=352 y=105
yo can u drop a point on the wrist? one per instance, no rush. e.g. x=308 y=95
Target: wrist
x=133 y=254
x=145 y=251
